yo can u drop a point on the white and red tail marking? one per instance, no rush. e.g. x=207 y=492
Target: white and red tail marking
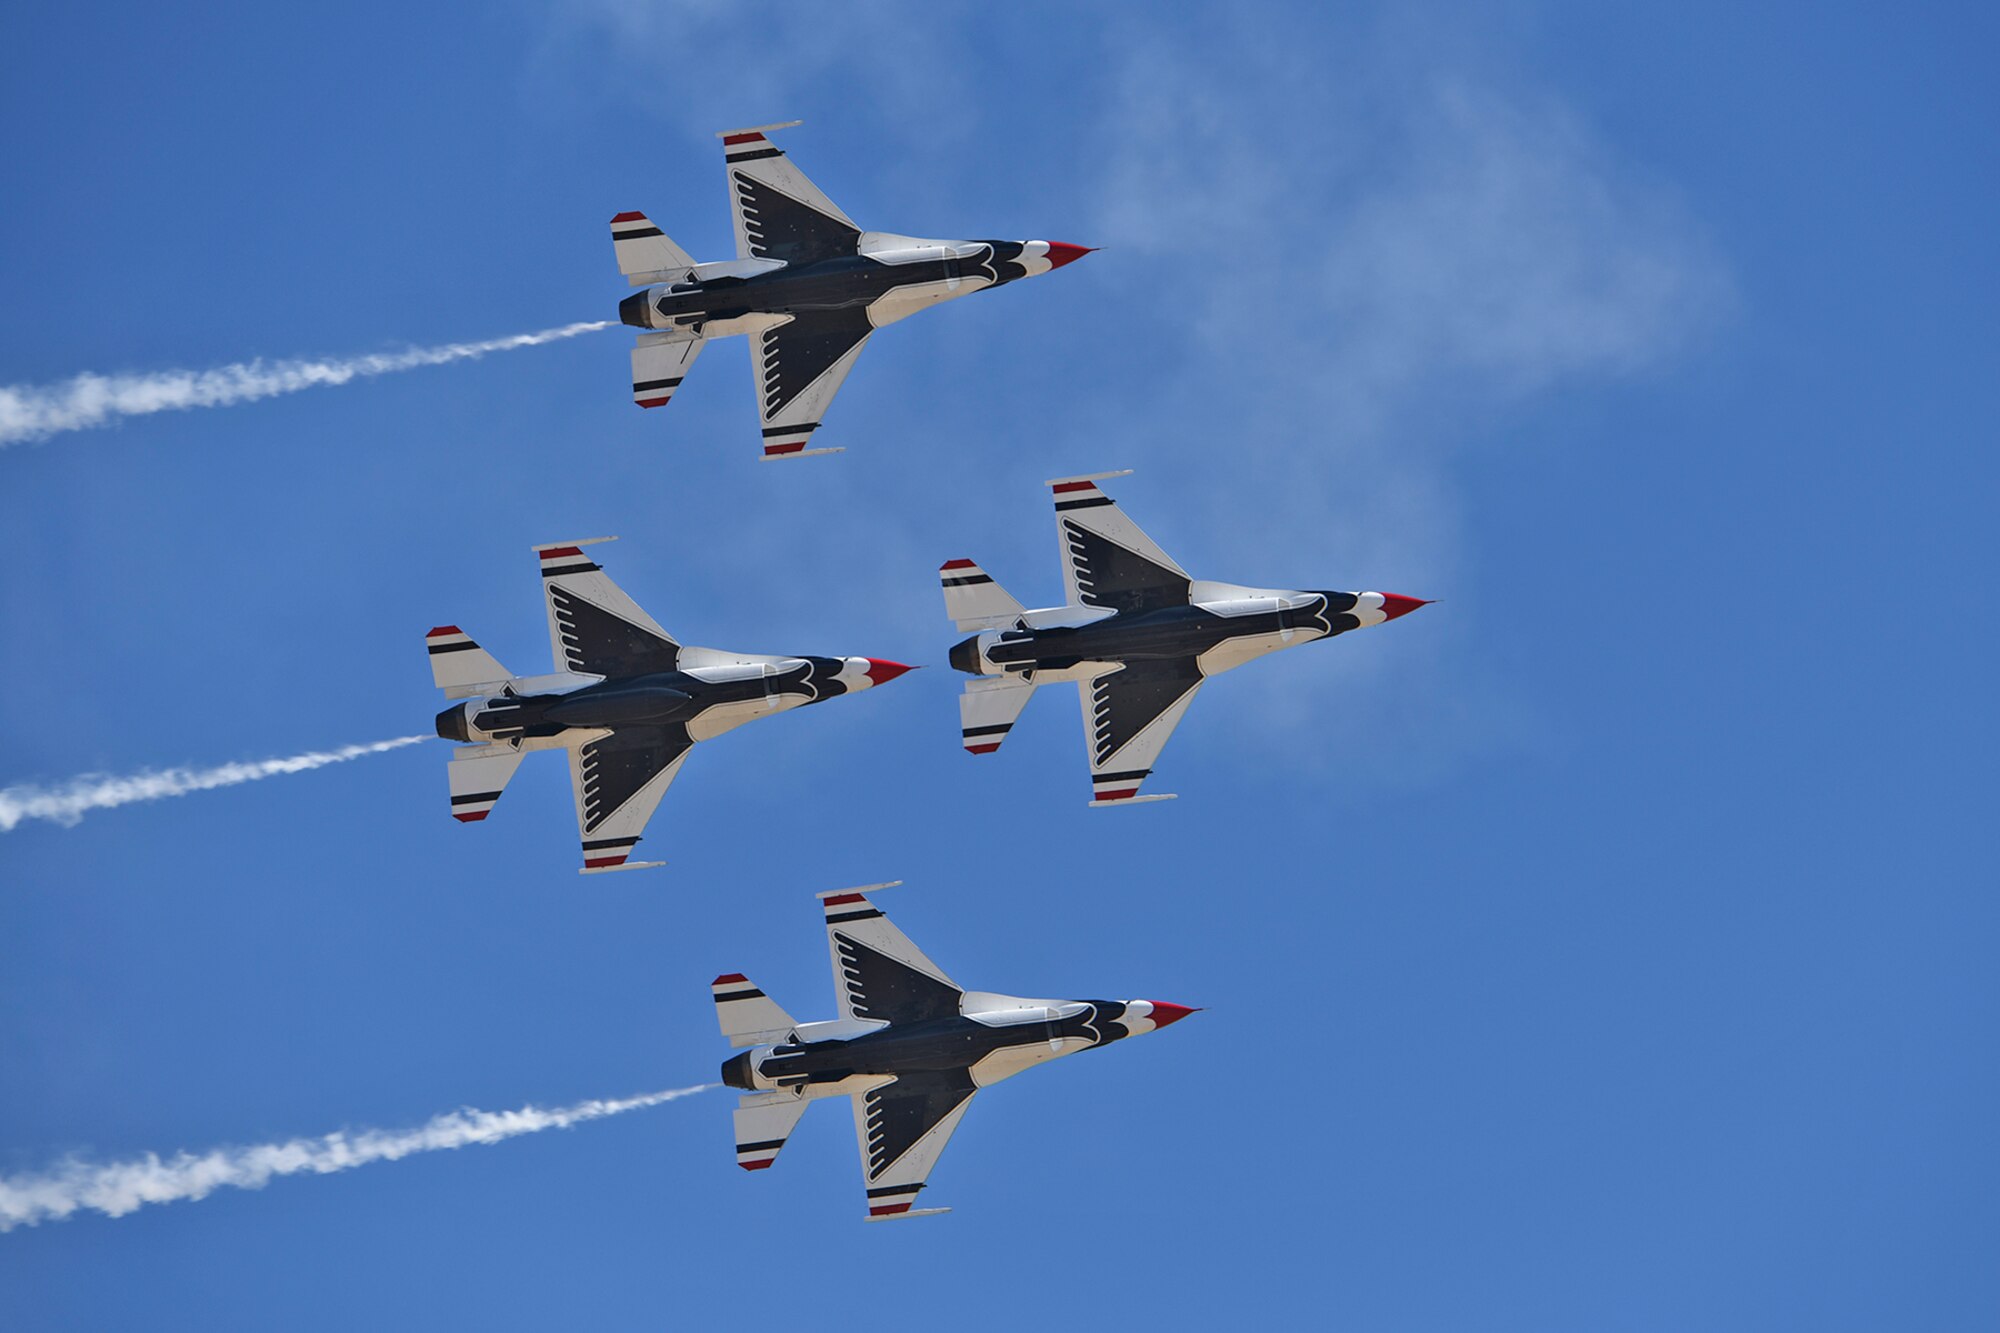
x=973 y=600
x=459 y=666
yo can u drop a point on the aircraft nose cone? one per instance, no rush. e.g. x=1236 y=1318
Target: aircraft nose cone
x=1164 y=1013
x=1062 y=252
x=881 y=671
x=1395 y=604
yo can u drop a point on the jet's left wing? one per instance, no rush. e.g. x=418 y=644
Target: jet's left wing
x=778 y=213
x=594 y=628
x=800 y=366
x=1106 y=559
x=1128 y=714
x=878 y=974
x=902 y=1128
x=619 y=778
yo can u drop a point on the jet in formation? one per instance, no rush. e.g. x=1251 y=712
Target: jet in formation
x=911 y=1047
x=626 y=700
x=808 y=286
x=1137 y=634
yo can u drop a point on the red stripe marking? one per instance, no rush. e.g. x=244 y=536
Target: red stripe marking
x=629 y=217
x=561 y=552
x=949 y=564
x=1068 y=486
x=654 y=402
x=982 y=749
x=792 y=448
x=728 y=977
x=468 y=818
x=845 y=899
x=592 y=864
x=1116 y=795
x=730 y=140
x=757 y=1166
x=443 y=629
x=888 y=1208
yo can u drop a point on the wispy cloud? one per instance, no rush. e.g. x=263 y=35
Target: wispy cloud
x=118 y=1188
x=67 y=804
x=36 y=412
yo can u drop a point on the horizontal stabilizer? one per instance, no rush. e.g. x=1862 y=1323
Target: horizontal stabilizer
x=747 y=1015
x=988 y=708
x=763 y=1123
x=645 y=254
x=973 y=600
x=660 y=362
x=478 y=775
x=459 y=666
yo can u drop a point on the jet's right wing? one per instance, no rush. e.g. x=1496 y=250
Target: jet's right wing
x=1128 y=714
x=778 y=213
x=594 y=628
x=800 y=366
x=1106 y=559
x=619 y=778
x=877 y=973
x=902 y=1128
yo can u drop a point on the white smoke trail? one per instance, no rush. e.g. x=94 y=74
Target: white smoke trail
x=117 y=1188
x=67 y=804
x=35 y=412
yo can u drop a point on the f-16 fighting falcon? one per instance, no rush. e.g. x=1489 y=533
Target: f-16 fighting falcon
x=808 y=286
x=1137 y=635
x=911 y=1047
x=626 y=700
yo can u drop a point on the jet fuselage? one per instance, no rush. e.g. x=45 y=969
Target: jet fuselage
x=723 y=697
x=1168 y=633
x=941 y=269
x=990 y=1046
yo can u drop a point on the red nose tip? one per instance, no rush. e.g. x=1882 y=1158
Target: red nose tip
x=882 y=672
x=1061 y=252
x=1395 y=604
x=1164 y=1013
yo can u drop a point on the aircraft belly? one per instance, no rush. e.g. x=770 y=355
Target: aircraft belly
x=902 y=302
x=1011 y=1060
x=718 y=718
x=1233 y=653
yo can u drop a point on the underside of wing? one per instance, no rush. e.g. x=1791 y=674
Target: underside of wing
x=1128 y=715
x=1107 y=560
x=618 y=779
x=878 y=974
x=594 y=628
x=902 y=1129
x=779 y=213
x=801 y=365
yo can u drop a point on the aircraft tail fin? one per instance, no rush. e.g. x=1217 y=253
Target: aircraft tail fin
x=988 y=708
x=747 y=1015
x=973 y=600
x=459 y=666
x=764 y=1120
x=645 y=254
x=478 y=775
x=660 y=361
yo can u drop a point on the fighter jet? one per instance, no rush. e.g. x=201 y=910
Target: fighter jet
x=626 y=700
x=1137 y=635
x=808 y=286
x=911 y=1047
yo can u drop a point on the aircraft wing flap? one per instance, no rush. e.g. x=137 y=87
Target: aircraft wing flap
x=1128 y=715
x=595 y=629
x=878 y=974
x=762 y=1126
x=902 y=1128
x=1106 y=559
x=618 y=778
x=800 y=366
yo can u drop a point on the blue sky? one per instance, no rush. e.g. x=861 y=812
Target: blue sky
x=1606 y=947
